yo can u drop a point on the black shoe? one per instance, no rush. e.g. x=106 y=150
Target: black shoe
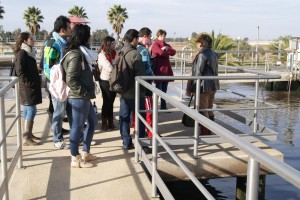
x=129 y=148
x=64 y=131
x=65 y=119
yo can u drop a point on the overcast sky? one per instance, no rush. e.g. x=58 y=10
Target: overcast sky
x=236 y=18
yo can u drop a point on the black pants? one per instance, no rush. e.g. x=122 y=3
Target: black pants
x=108 y=99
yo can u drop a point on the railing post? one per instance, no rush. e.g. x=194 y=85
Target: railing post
x=226 y=58
x=19 y=130
x=252 y=179
x=196 y=129
x=137 y=127
x=154 y=144
x=255 y=106
x=3 y=148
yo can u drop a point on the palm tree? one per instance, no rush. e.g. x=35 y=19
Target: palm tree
x=33 y=17
x=78 y=12
x=116 y=17
x=1 y=11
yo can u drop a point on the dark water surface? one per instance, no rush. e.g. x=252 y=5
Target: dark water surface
x=285 y=121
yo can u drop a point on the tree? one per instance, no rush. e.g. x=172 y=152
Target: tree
x=1 y=11
x=78 y=12
x=116 y=17
x=99 y=35
x=32 y=18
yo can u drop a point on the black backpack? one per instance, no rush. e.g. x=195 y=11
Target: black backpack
x=121 y=75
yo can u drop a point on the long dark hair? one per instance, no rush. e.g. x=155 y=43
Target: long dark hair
x=21 y=38
x=106 y=44
x=79 y=36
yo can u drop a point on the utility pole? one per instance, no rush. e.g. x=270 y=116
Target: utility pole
x=256 y=58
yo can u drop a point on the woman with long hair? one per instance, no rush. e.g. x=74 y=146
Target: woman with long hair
x=78 y=67
x=105 y=62
x=30 y=84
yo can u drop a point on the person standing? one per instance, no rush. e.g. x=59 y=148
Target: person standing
x=53 y=53
x=127 y=100
x=143 y=48
x=161 y=52
x=79 y=77
x=205 y=63
x=30 y=84
x=106 y=59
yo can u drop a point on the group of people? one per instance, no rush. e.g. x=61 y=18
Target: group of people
x=70 y=46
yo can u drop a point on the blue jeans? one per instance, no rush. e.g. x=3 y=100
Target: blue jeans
x=126 y=107
x=29 y=112
x=80 y=111
x=163 y=86
x=58 y=116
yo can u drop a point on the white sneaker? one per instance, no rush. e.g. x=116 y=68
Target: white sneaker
x=92 y=143
x=78 y=162
x=61 y=145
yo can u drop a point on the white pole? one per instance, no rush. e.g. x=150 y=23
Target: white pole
x=257 y=47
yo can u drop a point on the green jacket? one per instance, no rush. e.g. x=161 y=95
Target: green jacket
x=79 y=76
x=134 y=60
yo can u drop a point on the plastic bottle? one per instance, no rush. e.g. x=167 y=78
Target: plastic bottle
x=95 y=107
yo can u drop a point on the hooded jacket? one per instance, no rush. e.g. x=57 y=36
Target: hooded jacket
x=135 y=63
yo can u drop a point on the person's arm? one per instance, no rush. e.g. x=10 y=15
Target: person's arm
x=169 y=50
x=103 y=63
x=21 y=66
x=146 y=60
x=73 y=72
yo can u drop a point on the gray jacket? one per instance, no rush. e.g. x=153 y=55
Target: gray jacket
x=206 y=64
x=135 y=63
x=79 y=76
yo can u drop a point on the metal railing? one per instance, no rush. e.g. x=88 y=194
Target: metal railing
x=7 y=168
x=256 y=155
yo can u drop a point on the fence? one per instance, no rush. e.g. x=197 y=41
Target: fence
x=256 y=155
x=7 y=168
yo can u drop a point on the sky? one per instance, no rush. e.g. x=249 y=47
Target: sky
x=180 y=18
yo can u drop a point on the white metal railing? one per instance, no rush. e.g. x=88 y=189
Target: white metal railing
x=256 y=155
x=8 y=168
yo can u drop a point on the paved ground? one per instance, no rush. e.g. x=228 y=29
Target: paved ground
x=47 y=173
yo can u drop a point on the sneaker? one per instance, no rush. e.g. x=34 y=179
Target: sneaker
x=78 y=162
x=61 y=145
x=92 y=143
x=88 y=157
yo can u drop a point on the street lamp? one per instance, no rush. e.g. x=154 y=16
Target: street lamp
x=238 y=38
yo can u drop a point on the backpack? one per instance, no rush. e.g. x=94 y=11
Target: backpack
x=121 y=74
x=58 y=87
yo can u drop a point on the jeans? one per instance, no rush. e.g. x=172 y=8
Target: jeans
x=29 y=112
x=58 y=116
x=80 y=111
x=126 y=107
x=163 y=86
x=108 y=99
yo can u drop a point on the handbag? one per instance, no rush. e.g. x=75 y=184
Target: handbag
x=96 y=72
x=187 y=120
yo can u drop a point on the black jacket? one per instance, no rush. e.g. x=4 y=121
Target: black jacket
x=79 y=76
x=206 y=64
x=30 y=81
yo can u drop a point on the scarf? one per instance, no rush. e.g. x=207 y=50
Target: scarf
x=28 y=49
x=60 y=41
x=109 y=56
x=90 y=56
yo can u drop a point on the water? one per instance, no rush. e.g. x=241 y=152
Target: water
x=284 y=120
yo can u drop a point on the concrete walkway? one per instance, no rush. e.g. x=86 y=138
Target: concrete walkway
x=47 y=173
